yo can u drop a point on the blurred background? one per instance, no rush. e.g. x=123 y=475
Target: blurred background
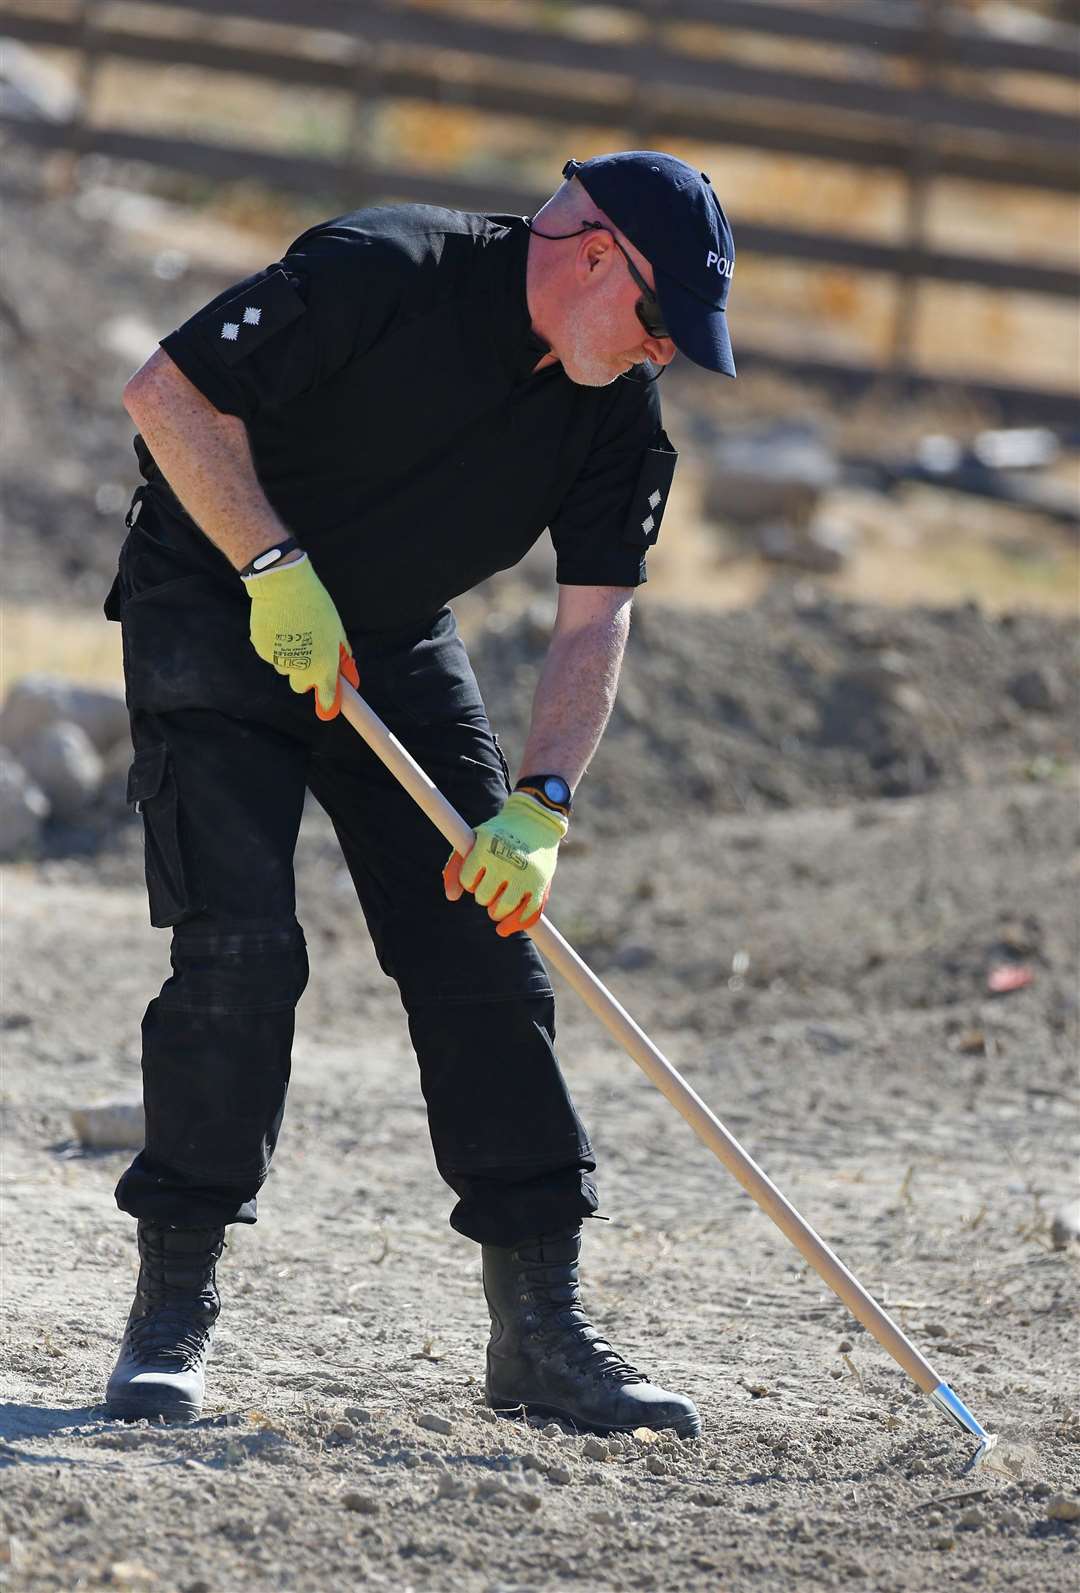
x=901 y=178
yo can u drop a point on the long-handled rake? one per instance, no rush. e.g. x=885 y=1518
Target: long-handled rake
x=707 y=1127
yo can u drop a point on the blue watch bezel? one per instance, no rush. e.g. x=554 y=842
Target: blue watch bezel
x=563 y=797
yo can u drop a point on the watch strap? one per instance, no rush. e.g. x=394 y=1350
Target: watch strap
x=537 y=786
x=269 y=557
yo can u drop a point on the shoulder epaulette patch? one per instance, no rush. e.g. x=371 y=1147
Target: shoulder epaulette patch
x=239 y=325
x=651 y=493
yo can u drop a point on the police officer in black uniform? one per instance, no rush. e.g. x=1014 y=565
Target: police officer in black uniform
x=332 y=450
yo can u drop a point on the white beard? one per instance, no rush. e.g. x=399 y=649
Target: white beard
x=581 y=360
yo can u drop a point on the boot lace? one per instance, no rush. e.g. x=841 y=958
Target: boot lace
x=561 y=1309
x=173 y=1328
x=170 y=1337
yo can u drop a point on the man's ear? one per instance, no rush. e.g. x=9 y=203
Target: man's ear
x=595 y=250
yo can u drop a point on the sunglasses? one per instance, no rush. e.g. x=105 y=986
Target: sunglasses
x=647 y=308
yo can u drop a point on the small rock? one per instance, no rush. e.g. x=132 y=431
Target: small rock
x=435 y=1423
x=364 y=1504
x=1061 y=1508
x=1018 y=938
x=486 y=1415
x=918 y=1468
x=533 y=1463
x=494 y=1490
x=529 y=1499
x=632 y=957
x=358 y=1414
x=819 y=547
x=883 y=676
x=909 y=700
x=64 y=762
x=38 y=701
x=1040 y=689
x=646 y=1435
x=115 y=768
x=657 y=1466
x=111 y=1125
x=1065 y=1227
x=944 y=1542
x=345 y=1432
x=777 y=471
x=595 y=1449
x=129 y=1574
x=846 y=1347
x=552 y=1430
x=603 y=1518
x=24 y=807
x=560 y=1474
x=971 y=1519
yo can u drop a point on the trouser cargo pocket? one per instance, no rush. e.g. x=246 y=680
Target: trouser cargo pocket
x=152 y=791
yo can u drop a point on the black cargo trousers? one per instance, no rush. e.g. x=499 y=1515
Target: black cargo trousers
x=224 y=753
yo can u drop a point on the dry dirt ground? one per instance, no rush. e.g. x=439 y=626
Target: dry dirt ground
x=814 y=958
x=812 y=831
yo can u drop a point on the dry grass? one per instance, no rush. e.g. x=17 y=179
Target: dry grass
x=35 y=639
x=920 y=546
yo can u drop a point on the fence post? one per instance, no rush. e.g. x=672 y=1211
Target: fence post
x=640 y=104
x=364 y=116
x=89 y=54
x=923 y=134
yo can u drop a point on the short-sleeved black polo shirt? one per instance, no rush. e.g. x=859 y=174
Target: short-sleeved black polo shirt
x=384 y=372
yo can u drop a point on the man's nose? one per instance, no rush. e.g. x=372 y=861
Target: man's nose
x=660 y=350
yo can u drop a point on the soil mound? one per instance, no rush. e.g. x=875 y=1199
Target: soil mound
x=801 y=700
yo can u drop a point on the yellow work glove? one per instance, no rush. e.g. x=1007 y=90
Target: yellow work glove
x=510 y=868
x=295 y=627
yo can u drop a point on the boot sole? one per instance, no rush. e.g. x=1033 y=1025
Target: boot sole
x=688 y=1426
x=129 y=1410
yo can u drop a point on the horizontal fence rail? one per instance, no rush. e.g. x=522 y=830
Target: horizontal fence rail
x=656 y=84
x=1051 y=166
x=309 y=173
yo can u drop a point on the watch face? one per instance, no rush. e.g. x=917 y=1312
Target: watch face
x=556 y=790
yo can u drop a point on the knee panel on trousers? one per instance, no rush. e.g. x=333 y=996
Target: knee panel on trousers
x=236 y=967
x=495 y=1093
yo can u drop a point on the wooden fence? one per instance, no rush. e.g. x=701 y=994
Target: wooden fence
x=913 y=89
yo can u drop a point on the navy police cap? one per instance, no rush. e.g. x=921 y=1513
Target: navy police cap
x=669 y=211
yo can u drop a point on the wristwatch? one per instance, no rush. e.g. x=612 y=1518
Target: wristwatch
x=549 y=789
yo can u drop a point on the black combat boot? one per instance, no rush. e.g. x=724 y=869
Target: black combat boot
x=160 y=1372
x=545 y=1355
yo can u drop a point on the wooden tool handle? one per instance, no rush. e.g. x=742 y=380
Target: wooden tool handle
x=652 y=1062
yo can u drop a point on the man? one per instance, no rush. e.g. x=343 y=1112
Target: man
x=332 y=450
